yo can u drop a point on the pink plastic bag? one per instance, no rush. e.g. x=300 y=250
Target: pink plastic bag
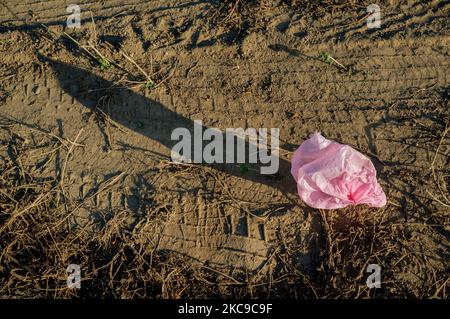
x=330 y=175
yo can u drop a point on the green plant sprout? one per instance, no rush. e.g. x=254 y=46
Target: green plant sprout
x=150 y=84
x=327 y=58
x=104 y=63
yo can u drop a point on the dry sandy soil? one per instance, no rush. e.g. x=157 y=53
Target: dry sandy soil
x=85 y=122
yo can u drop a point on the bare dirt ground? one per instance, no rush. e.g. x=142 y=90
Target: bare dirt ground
x=85 y=122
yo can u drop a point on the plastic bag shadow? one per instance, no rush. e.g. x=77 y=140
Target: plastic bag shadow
x=156 y=121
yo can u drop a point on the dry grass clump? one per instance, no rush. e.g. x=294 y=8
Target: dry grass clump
x=355 y=238
x=350 y=240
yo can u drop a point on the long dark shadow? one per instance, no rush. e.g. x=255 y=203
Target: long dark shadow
x=156 y=121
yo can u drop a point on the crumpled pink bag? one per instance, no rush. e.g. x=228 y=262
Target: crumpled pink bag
x=330 y=175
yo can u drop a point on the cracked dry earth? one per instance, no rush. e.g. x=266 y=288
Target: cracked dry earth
x=268 y=78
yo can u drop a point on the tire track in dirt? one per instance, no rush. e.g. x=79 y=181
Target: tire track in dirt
x=54 y=12
x=211 y=232
x=347 y=100
x=399 y=19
